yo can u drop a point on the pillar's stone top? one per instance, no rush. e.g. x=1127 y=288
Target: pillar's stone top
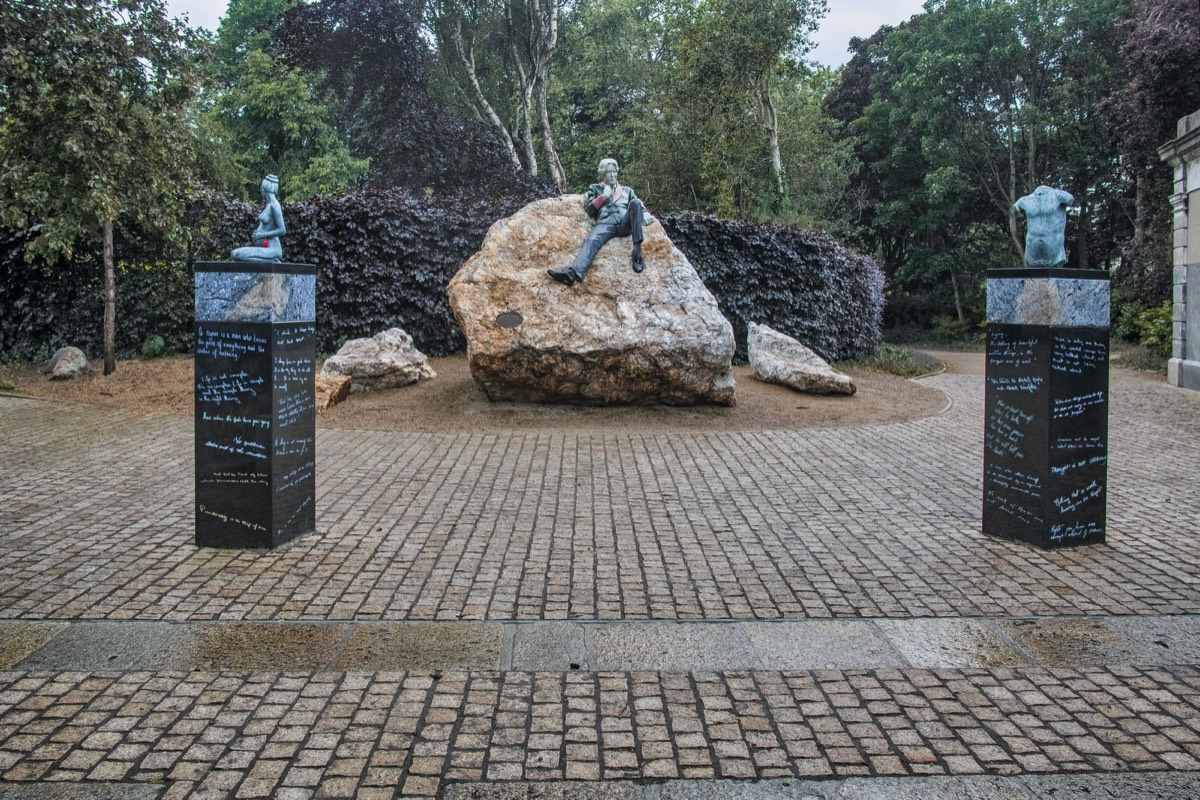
x=1188 y=124
x=255 y=292
x=1062 y=297
x=1186 y=145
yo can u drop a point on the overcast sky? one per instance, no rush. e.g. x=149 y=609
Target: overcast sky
x=846 y=19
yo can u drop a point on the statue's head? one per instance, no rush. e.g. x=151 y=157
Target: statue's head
x=608 y=171
x=270 y=185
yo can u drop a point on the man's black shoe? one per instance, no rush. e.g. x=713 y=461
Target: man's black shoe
x=564 y=276
x=638 y=263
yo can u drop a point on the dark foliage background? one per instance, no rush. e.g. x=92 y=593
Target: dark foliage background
x=802 y=283
x=384 y=259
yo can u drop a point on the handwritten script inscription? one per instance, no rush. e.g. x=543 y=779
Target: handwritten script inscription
x=1006 y=430
x=1006 y=351
x=1076 y=356
x=1068 y=407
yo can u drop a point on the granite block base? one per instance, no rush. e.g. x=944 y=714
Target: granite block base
x=1045 y=466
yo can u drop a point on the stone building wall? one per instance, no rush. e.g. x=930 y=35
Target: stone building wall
x=1183 y=154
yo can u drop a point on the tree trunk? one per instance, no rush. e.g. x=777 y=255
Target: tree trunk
x=1013 y=230
x=770 y=121
x=541 y=17
x=466 y=59
x=525 y=111
x=553 y=164
x=1082 y=240
x=957 y=299
x=110 y=302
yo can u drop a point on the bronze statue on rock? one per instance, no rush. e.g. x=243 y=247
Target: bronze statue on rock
x=618 y=212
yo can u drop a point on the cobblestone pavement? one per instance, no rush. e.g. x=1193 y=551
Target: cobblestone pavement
x=789 y=545
x=95 y=509
x=219 y=734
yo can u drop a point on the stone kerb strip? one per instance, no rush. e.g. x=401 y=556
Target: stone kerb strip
x=954 y=643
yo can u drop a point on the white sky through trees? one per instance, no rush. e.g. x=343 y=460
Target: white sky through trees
x=846 y=19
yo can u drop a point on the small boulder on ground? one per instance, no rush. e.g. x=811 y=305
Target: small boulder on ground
x=67 y=363
x=618 y=337
x=384 y=361
x=778 y=358
x=331 y=390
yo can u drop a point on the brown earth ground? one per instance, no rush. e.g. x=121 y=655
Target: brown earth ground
x=453 y=402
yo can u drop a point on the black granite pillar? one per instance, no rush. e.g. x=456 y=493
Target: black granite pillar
x=255 y=419
x=1045 y=464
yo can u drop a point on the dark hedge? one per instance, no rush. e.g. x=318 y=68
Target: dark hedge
x=384 y=259
x=802 y=283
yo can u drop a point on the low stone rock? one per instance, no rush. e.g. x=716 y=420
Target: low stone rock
x=331 y=390
x=384 y=361
x=67 y=363
x=619 y=337
x=778 y=358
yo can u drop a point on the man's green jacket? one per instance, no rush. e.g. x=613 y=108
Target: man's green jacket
x=612 y=211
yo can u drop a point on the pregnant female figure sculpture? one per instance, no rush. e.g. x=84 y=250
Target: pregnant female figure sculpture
x=266 y=246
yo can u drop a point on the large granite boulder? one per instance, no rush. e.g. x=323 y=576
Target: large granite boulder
x=617 y=337
x=67 y=363
x=778 y=358
x=384 y=361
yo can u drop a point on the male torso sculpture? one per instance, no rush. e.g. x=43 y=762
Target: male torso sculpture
x=266 y=246
x=1046 y=220
x=618 y=212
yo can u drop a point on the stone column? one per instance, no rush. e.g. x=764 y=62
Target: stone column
x=255 y=415
x=1183 y=154
x=1045 y=457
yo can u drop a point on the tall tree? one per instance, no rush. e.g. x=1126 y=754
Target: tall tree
x=94 y=128
x=374 y=59
x=497 y=50
x=273 y=111
x=736 y=50
x=1162 y=48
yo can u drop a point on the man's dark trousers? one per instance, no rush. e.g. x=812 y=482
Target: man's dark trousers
x=631 y=225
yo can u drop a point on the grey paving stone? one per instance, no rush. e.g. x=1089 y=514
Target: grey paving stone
x=98 y=646
x=291 y=646
x=1116 y=786
x=424 y=646
x=550 y=646
x=548 y=790
x=936 y=643
x=820 y=644
x=950 y=788
x=19 y=639
x=778 y=789
x=1169 y=640
x=77 y=791
x=1075 y=642
x=668 y=646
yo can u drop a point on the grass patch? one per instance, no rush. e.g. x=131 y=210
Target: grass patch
x=6 y=385
x=1135 y=356
x=898 y=360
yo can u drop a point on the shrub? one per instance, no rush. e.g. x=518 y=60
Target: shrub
x=384 y=258
x=1125 y=310
x=1154 y=325
x=153 y=347
x=899 y=361
x=802 y=283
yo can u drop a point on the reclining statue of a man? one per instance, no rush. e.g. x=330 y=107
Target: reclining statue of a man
x=618 y=212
